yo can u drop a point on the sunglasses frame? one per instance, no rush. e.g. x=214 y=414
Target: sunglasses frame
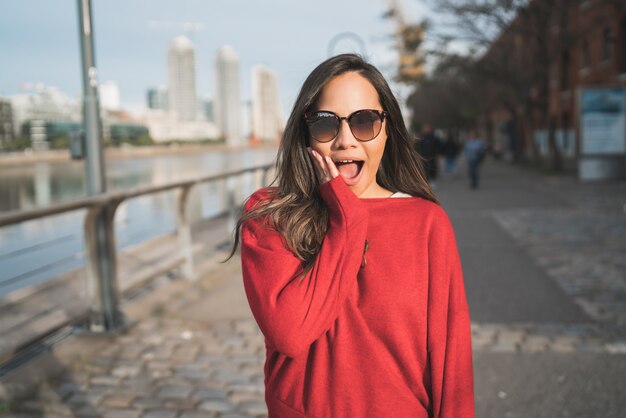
x=382 y=114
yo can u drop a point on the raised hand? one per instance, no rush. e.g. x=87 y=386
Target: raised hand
x=324 y=166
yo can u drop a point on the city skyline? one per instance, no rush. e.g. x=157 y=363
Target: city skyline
x=129 y=39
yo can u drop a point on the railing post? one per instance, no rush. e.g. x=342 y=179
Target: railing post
x=232 y=209
x=101 y=268
x=183 y=229
x=257 y=179
x=265 y=173
x=222 y=192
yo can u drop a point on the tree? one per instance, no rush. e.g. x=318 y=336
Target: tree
x=521 y=42
x=499 y=74
x=447 y=98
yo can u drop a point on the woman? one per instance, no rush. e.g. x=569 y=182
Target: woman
x=350 y=265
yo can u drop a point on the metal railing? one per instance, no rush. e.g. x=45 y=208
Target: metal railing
x=107 y=203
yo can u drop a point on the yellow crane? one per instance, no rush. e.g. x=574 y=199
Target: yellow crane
x=409 y=38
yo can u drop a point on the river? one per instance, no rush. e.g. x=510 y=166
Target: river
x=38 y=250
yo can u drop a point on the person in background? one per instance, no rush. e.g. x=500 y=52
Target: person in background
x=429 y=147
x=350 y=265
x=475 y=151
x=450 y=150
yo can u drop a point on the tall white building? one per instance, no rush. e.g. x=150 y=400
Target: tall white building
x=227 y=95
x=182 y=78
x=109 y=94
x=266 y=119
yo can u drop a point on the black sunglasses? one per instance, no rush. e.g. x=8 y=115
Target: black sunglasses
x=365 y=124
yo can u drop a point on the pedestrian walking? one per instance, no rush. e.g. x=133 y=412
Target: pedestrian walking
x=475 y=151
x=429 y=146
x=450 y=150
x=350 y=265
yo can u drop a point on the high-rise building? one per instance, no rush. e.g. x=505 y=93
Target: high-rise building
x=265 y=104
x=109 y=94
x=157 y=98
x=182 y=78
x=6 y=121
x=227 y=96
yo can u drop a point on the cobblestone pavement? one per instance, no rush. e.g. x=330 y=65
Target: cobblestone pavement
x=582 y=248
x=177 y=369
x=560 y=338
x=166 y=368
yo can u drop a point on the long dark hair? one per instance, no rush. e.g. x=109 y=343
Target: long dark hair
x=295 y=207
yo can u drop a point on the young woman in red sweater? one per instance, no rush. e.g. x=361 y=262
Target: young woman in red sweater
x=351 y=266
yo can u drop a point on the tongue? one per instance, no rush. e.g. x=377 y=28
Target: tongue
x=349 y=170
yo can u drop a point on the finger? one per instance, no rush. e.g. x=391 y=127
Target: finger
x=324 y=172
x=317 y=164
x=332 y=168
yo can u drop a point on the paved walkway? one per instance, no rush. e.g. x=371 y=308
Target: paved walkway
x=545 y=276
x=543 y=260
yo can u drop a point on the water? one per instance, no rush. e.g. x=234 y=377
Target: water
x=38 y=250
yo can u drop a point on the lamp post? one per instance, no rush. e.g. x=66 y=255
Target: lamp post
x=101 y=262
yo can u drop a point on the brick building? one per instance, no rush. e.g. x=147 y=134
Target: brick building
x=551 y=50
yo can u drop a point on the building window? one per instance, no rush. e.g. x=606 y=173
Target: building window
x=585 y=57
x=607 y=44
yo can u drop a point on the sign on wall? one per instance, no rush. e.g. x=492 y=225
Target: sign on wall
x=603 y=121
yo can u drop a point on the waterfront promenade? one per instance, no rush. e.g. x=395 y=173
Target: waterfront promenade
x=546 y=283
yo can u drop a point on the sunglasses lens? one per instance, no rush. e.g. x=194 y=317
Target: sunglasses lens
x=365 y=125
x=323 y=126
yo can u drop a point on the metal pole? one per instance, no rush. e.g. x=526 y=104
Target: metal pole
x=106 y=315
x=91 y=106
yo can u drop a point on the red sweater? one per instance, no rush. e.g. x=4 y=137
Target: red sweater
x=387 y=339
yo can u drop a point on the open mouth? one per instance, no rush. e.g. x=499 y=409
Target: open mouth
x=350 y=169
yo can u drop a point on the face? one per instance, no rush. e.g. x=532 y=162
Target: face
x=344 y=95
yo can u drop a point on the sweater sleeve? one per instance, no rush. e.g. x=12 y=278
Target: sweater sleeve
x=449 y=334
x=293 y=312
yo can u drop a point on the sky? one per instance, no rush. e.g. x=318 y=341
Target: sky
x=39 y=40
